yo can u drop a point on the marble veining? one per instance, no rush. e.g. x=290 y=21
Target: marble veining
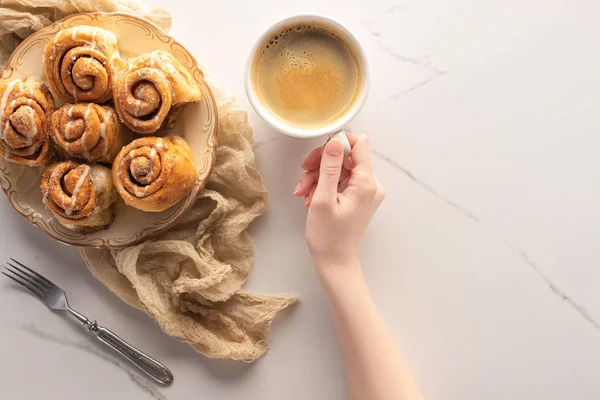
x=393 y=52
x=515 y=249
x=144 y=384
x=424 y=62
x=425 y=185
x=412 y=88
x=395 y=8
x=483 y=257
x=555 y=289
x=518 y=251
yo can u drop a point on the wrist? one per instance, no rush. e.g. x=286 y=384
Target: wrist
x=334 y=273
x=345 y=287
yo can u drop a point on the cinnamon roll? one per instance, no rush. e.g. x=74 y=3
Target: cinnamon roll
x=26 y=107
x=80 y=64
x=151 y=91
x=80 y=196
x=152 y=174
x=89 y=132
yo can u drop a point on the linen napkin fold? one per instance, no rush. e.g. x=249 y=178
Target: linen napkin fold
x=188 y=279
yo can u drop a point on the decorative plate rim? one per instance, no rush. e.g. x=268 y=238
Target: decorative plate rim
x=188 y=202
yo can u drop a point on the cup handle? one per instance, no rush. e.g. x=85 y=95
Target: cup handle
x=341 y=136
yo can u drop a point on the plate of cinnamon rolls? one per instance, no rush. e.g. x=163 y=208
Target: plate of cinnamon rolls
x=108 y=130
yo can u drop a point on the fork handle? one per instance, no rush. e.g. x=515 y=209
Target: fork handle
x=153 y=368
x=156 y=370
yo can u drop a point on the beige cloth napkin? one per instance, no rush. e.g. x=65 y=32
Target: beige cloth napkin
x=20 y=18
x=188 y=279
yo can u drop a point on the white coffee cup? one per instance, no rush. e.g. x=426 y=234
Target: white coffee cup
x=334 y=129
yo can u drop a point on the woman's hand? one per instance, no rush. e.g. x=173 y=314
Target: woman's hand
x=341 y=196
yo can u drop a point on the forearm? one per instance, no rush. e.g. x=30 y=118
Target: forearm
x=375 y=368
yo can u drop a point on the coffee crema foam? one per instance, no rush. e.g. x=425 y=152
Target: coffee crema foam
x=307 y=76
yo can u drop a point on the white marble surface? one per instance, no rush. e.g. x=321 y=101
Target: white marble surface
x=483 y=259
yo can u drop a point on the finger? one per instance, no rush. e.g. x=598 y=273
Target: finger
x=313 y=160
x=344 y=180
x=361 y=185
x=307 y=180
x=344 y=175
x=310 y=179
x=331 y=168
x=380 y=193
x=352 y=138
x=309 y=196
x=361 y=153
x=348 y=164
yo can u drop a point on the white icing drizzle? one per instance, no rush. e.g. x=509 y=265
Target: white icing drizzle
x=4 y=129
x=88 y=110
x=78 y=185
x=86 y=153
x=100 y=178
x=140 y=192
x=70 y=112
x=94 y=38
x=86 y=150
x=3 y=100
x=152 y=158
x=31 y=134
x=138 y=104
x=74 y=33
x=67 y=129
x=159 y=145
x=103 y=125
x=63 y=205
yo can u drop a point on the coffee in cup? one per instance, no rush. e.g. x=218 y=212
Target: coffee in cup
x=307 y=76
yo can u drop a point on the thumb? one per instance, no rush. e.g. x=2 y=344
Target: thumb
x=331 y=168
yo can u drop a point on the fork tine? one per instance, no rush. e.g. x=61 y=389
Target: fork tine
x=29 y=279
x=44 y=280
x=28 y=287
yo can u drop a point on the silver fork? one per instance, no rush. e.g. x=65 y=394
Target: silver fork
x=56 y=299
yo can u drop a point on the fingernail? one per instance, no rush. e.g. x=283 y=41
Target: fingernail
x=297 y=188
x=334 y=148
x=306 y=201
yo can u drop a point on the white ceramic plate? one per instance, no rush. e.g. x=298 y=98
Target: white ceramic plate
x=197 y=124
